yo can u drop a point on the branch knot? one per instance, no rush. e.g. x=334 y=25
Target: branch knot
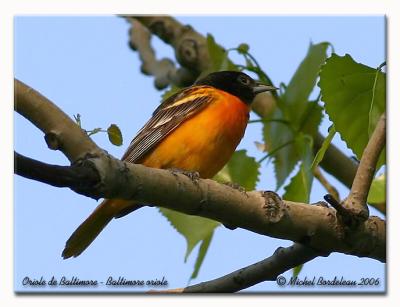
x=274 y=207
x=52 y=140
x=188 y=52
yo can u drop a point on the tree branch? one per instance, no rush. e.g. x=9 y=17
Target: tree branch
x=261 y=212
x=189 y=45
x=356 y=202
x=76 y=177
x=45 y=115
x=268 y=269
x=81 y=179
x=163 y=69
x=186 y=43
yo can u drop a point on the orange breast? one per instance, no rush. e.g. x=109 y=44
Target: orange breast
x=205 y=142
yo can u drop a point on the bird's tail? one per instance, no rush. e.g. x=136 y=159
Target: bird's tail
x=85 y=234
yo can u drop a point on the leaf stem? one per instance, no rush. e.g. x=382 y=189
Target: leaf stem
x=370 y=119
x=94 y=131
x=272 y=152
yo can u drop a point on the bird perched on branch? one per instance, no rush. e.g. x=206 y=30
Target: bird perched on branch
x=195 y=130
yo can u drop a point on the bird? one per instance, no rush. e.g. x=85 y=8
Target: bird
x=195 y=130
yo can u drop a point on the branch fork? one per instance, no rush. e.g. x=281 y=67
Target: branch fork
x=354 y=210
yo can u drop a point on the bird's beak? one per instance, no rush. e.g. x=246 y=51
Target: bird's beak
x=259 y=88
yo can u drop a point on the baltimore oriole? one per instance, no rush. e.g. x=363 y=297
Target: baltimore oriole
x=196 y=130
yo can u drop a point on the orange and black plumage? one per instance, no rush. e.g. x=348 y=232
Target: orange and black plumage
x=196 y=130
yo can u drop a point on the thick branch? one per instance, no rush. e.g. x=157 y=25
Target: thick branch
x=356 y=202
x=76 y=177
x=191 y=52
x=74 y=143
x=261 y=212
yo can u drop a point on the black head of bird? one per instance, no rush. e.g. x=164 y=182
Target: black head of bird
x=236 y=83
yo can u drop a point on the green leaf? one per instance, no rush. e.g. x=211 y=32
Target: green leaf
x=325 y=144
x=311 y=119
x=171 y=91
x=377 y=192
x=194 y=229
x=218 y=57
x=355 y=97
x=216 y=53
x=278 y=135
x=202 y=254
x=114 y=135
x=299 y=188
x=375 y=110
x=241 y=169
x=295 y=97
x=296 y=270
x=294 y=107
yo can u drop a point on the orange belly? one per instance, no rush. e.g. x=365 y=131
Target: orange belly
x=205 y=142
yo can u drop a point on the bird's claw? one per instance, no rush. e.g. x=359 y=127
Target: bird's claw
x=230 y=227
x=235 y=186
x=194 y=176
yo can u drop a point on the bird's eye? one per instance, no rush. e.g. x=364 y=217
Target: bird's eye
x=244 y=80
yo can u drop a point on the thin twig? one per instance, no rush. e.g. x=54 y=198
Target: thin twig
x=356 y=202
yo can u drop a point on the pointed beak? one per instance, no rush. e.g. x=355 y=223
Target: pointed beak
x=259 y=88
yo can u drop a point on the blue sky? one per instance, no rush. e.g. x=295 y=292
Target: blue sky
x=85 y=66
